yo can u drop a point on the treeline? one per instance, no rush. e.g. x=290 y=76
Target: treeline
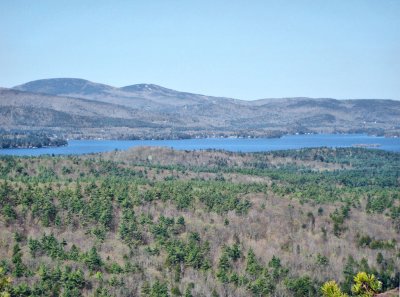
x=14 y=140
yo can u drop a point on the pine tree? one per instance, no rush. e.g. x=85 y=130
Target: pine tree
x=19 y=267
x=93 y=260
x=252 y=266
x=223 y=268
x=366 y=285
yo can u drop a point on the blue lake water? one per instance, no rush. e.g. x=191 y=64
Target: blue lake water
x=78 y=147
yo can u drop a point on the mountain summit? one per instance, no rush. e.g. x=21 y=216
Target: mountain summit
x=64 y=86
x=146 y=88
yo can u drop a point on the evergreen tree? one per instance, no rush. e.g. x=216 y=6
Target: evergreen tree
x=252 y=265
x=93 y=259
x=19 y=267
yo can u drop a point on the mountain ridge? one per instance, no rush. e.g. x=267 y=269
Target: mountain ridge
x=32 y=86
x=151 y=111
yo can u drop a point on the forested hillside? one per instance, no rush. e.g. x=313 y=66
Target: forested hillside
x=159 y=222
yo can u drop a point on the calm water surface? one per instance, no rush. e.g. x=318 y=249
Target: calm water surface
x=78 y=147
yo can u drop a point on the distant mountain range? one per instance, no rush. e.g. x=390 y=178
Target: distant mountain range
x=78 y=108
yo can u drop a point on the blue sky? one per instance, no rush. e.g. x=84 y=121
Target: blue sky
x=240 y=49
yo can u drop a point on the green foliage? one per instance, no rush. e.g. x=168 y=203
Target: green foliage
x=331 y=289
x=234 y=252
x=74 y=253
x=338 y=217
x=52 y=247
x=261 y=286
x=188 y=293
x=223 y=268
x=380 y=201
x=158 y=289
x=102 y=292
x=19 y=267
x=9 y=213
x=72 y=280
x=192 y=253
x=53 y=282
x=128 y=228
x=387 y=275
x=176 y=292
x=181 y=221
x=395 y=215
x=379 y=258
x=349 y=272
x=322 y=260
x=43 y=206
x=92 y=259
x=257 y=280
x=301 y=286
x=277 y=271
x=372 y=243
x=5 y=284
x=253 y=267
x=366 y=285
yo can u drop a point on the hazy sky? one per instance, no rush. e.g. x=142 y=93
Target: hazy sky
x=241 y=49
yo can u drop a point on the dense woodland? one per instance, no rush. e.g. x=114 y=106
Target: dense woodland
x=159 y=222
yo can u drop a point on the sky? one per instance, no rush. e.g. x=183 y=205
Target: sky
x=240 y=49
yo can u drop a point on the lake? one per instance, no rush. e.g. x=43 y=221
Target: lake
x=78 y=147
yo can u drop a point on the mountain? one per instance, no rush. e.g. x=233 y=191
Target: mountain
x=64 y=86
x=152 y=111
x=138 y=95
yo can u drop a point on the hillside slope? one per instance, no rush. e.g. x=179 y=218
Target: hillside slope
x=154 y=220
